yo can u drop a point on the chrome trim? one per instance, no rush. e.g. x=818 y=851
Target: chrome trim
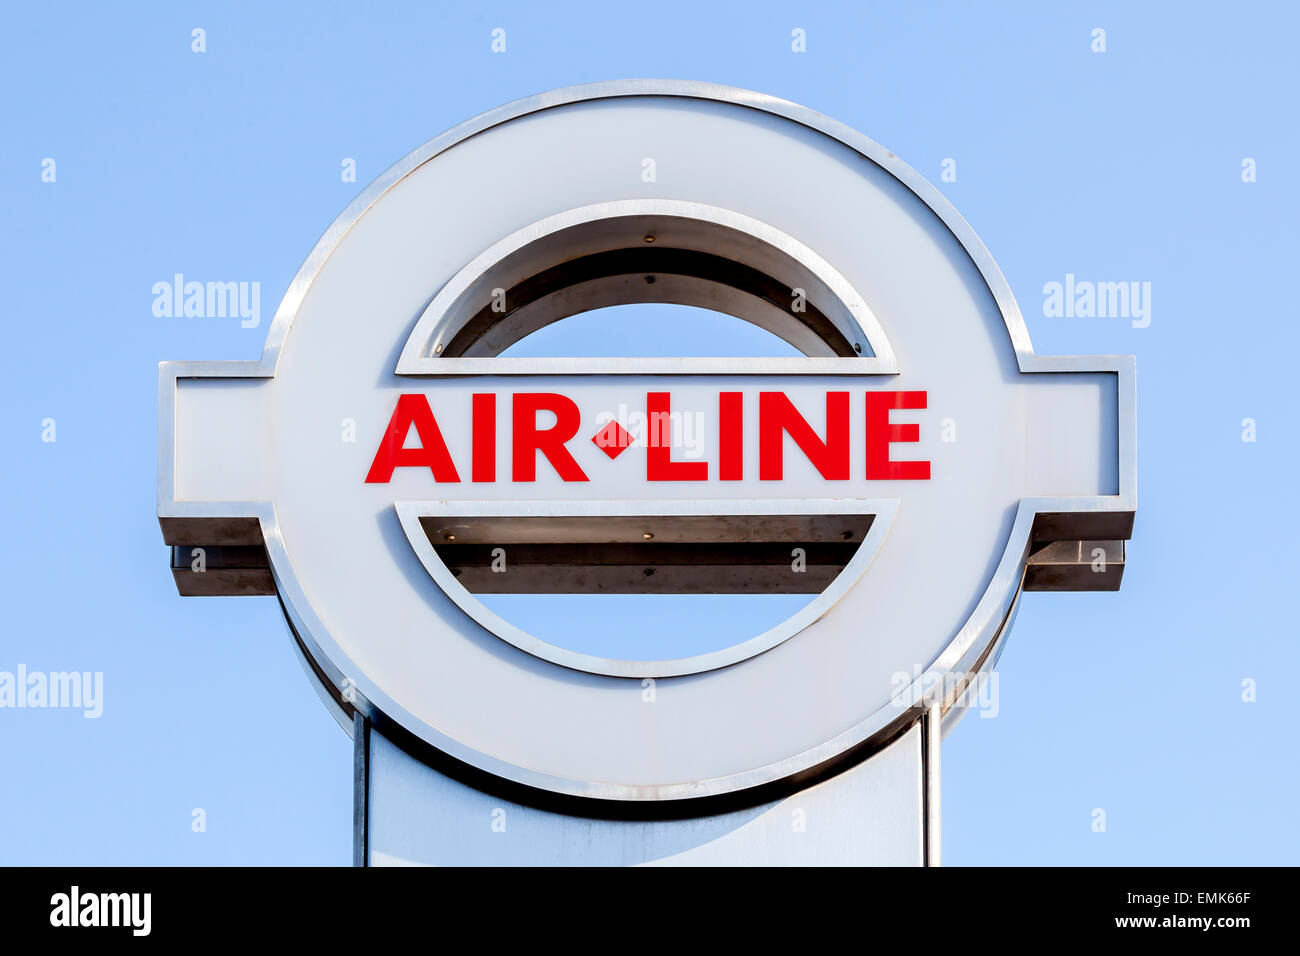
x=445 y=315
x=410 y=513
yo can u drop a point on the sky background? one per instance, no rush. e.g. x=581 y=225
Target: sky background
x=1122 y=166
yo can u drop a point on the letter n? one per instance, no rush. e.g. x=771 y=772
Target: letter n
x=777 y=417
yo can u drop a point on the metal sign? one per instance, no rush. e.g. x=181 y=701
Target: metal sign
x=918 y=429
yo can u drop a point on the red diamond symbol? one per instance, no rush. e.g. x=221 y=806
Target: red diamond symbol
x=612 y=439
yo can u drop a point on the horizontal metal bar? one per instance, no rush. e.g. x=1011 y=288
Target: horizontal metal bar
x=1082 y=526
x=684 y=555
x=653 y=553
x=647 y=579
x=1076 y=566
x=635 y=529
x=626 y=366
x=236 y=582
x=211 y=531
x=221 y=570
x=648 y=567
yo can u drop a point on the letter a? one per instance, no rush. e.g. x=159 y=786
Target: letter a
x=432 y=453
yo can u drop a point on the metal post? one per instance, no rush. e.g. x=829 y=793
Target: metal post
x=360 y=789
x=933 y=728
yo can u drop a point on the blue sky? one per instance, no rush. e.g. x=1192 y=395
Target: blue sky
x=1121 y=166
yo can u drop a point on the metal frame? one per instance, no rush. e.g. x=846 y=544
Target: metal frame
x=970 y=647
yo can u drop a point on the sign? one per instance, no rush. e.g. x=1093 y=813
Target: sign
x=369 y=465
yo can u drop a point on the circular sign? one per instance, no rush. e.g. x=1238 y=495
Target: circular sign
x=382 y=431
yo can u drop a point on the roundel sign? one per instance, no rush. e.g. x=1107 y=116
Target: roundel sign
x=383 y=463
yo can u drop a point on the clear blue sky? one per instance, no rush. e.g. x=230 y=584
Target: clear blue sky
x=1124 y=165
